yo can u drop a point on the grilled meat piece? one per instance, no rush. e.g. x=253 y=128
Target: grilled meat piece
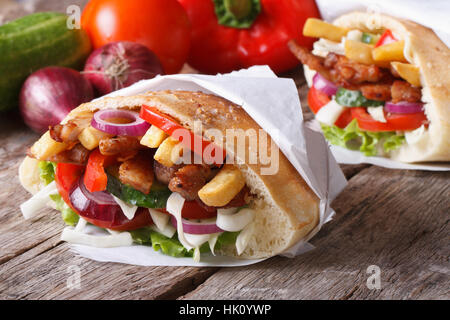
x=381 y=92
x=70 y=131
x=77 y=155
x=403 y=91
x=163 y=173
x=125 y=147
x=189 y=179
x=138 y=172
x=306 y=57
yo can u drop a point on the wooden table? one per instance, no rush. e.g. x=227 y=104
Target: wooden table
x=395 y=220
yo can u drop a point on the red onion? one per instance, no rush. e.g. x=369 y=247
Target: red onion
x=136 y=128
x=94 y=205
x=205 y=226
x=403 y=107
x=324 y=85
x=49 y=94
x=120 y=64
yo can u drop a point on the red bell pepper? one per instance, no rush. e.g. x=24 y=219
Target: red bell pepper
x=386 y=38
x=195 y=143
x=95 y=178
x=232 y=34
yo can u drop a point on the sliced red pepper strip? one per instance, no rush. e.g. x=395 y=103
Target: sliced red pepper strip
x=386 y=38
x=95 y=178
x=172 y=127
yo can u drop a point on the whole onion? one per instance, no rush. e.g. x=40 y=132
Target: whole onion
x=49 y=94
x=120 y=64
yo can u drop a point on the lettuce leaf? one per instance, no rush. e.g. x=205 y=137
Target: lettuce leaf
x=47 y=171
x=369 y=143
x=172 y=246
x=69 y=216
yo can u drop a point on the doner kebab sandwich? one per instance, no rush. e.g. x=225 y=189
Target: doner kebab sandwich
x=380 y=85
x=121 y=164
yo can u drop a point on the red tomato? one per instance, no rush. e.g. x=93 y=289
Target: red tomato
x=192 y=210
x=162 y=26
x=317 y=99
x=67 y=175
x=395 y=121
x=141 y=219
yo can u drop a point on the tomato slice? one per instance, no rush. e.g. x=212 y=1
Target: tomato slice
x=192 y=210
x=317 y=99
x=141 y=219
x=386 y=38
x=395 y=121
x=173 y=128
x=66 y=175
x=95 y=178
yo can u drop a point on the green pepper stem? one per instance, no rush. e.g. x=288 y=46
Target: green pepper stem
x=237 y=13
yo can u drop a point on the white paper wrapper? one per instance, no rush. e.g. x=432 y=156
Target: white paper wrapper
x=432 y=14
x=274 y=104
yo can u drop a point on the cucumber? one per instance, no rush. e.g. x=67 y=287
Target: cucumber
x=33 y=42
x=156 y=199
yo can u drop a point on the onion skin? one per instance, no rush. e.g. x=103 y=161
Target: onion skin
x=49 y=94
x=120 y=64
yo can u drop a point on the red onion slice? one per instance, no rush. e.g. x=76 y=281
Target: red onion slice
x=136 y=128
x=94 y=205
x=205 y=226
x=403 y=107
x=324 y=85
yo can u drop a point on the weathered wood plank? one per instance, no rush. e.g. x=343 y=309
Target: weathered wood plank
x=16 y=234
x=396 y=220
x=50 y=271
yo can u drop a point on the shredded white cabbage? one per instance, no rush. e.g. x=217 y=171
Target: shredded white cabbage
x=108 y=241
x=159 y=218
x=38 y=201
x=175 y=204
x=235 y=222
x=244 y=238
x=168 y=230
x=128 y=209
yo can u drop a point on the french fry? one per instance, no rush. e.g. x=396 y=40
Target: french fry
x=90 y=137
x=46 y=147
x=317 y=28
x=390 y=52
x=223 y=187
x=165 y=152
x=358 y=51
x=153 y=137
x=408 y=72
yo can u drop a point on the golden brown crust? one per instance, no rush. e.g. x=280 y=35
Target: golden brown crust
x=285 y=192
x=424 y=49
